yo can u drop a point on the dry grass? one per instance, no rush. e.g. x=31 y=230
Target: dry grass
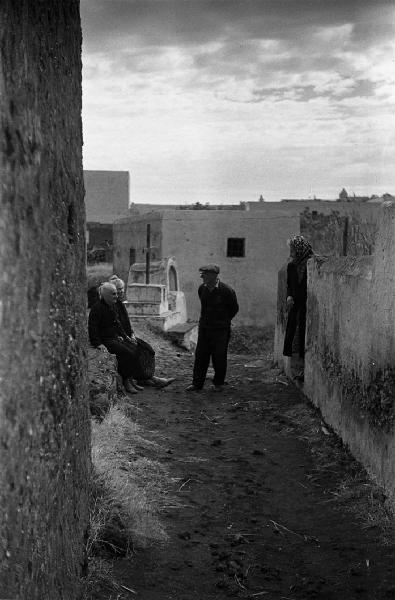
x=362 y=497
x=101 y=582
x=356 y=493
x=251 y=340
x=129 y=488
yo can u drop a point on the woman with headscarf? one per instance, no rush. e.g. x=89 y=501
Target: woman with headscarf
x=300 y=252
x=144 y=370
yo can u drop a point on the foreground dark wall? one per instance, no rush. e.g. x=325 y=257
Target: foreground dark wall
x=44 y=426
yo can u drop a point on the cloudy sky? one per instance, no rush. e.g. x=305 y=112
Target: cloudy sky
x=224 y=100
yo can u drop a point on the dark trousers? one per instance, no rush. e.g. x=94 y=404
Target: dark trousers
x=127 y=357
x=296 y=317
x=212 y=343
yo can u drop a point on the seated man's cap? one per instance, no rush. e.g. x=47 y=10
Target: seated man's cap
x=209 y=269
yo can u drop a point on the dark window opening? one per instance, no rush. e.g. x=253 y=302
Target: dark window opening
x=173 y=283
x=236 y=247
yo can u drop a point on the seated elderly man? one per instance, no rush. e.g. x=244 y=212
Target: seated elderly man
x=109 y=327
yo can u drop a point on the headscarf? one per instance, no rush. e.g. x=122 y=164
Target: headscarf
x=117 y=281
x=300 y=245
x=303 y=251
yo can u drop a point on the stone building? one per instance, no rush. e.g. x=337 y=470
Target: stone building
x=250 y=248
x=106 y=199
x=44 y=418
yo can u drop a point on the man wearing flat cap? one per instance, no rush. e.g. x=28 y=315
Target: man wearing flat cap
x=218 y=307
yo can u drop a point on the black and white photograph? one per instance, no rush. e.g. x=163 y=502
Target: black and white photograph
x=197 y=300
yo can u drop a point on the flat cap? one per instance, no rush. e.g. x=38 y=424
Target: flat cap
x=209 y=269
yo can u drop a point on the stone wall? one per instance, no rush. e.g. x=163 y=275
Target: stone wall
x=352 y=233
x=44 y=417
x=350 y=350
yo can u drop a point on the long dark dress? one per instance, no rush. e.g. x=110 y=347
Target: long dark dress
x=105 y=327
x=297 y=289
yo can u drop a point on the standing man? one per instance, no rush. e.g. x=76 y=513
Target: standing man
x=218 y=307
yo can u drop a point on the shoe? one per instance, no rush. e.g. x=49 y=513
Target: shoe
x=193 y=388
x=299 y=377
x=161 y=382
x=217 y=388
x=129 y=387
x=136 y=385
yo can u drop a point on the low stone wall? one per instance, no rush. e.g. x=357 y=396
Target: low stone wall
x=350 y=350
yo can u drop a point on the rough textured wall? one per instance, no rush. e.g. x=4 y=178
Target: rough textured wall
x=44 y=425
x=349 y=234
x=349 y=366
x=383 y=299
x=324 y=231
x=107 y=195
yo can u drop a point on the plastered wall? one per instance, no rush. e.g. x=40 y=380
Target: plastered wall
x=195 y=239
x=350 y=351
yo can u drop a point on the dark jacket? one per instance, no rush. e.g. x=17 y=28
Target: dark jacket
x=104 y=324
x=123 y=317
x=296 y=285
x=218 y=307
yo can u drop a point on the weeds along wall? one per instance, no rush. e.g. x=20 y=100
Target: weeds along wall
x=44 y=424
x=350 y=349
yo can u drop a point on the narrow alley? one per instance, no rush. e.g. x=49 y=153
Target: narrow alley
x=264 y=501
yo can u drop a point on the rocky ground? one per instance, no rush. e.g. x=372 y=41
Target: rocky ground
x=264 y=501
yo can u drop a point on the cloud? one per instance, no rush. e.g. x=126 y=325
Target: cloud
x=265 y=44
x=170 y=82
x=181 y=22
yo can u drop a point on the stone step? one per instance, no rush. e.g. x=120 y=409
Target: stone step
x=184 y=335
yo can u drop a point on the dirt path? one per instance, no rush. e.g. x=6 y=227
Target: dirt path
x=257 y=479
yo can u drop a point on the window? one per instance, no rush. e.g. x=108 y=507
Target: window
x=236 y=247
